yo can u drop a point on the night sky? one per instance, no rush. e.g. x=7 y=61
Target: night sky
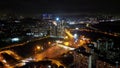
x=59 y=6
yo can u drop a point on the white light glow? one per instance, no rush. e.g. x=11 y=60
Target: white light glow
x=76 y=28
x=15 y=39
x=57 y=19
x=75 y=36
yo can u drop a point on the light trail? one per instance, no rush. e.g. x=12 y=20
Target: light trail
x=69 y=34
x=66 y=47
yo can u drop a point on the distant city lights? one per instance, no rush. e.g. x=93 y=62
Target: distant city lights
x=76 y=28
x=57 y=19
x=75 y=36
x=15 y=39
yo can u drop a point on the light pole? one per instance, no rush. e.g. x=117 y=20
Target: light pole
x=90 y=59
x=116 y=64
x=37 y=49
x=90 y=56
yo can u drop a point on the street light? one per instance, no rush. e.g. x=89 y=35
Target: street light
x=91 y=45
x=116 y=64
x=75 y=36
x=38 y=48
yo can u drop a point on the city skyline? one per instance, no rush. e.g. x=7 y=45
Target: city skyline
x=59 y=34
